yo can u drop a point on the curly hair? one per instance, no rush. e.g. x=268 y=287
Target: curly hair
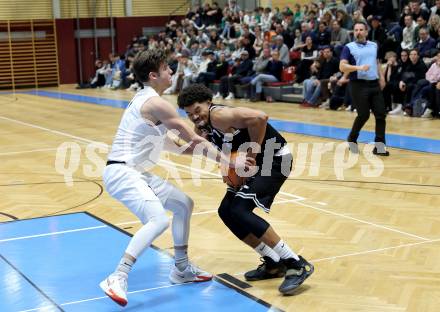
x=148 y=61
x=194 y=93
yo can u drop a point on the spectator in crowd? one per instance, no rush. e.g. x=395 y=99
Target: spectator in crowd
x=272 y=73
x=242 y=68
x=312 y=87
x=391 y=91
x=323 y=35
x=426 y=44
x=308 y=54
x=408 y=40
x=338 y=37
x=433 y=76
x=329 y=71
x=414 y=72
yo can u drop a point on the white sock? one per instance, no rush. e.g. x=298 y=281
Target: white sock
x=124 y=265
x=284 y=251
x=181 y=257
x=266 y=251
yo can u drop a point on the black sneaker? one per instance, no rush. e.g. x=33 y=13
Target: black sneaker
x=296 y=274
x=380 y=152
x=266 y=270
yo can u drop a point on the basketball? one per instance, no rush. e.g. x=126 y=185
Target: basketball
x=230 y=177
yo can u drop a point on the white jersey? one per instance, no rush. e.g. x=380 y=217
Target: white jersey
x=138 y=142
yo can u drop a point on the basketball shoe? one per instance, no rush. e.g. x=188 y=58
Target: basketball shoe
x=115 y=286
x=266 y=270
x=190 y=274
x=296 y=273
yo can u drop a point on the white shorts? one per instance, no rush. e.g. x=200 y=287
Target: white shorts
x=133 y=188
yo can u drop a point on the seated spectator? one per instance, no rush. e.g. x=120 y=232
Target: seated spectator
x=338 y=37
x=329 y=71
x=391 y=92
x=322 y=35
x=408 y=34
x=259 y=39
x=417 y=11
x=340 y=93
x=208 y=76
x=377 y=34
x=308 y=54
x=433 y=77
x=414 y=72
x=241 y=68
x=312 y=87
x=266 y=19
x=282 y=49
x=434 y=26
x=183 y=75
x=426 y=44
x=421 y=23
x=344 y=19
x=272 y=73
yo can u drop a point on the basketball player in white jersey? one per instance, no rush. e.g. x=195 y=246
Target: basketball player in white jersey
x=139 y=140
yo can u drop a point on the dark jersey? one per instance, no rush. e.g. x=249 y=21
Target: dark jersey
x=272 y=142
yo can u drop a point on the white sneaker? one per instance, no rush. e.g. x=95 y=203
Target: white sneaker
x=397 y=111
x=115 y=286
x=230 y=96
x=427 y=113
x=325 y=104
x=190 y=274
x=217 y=95
x=348 y=108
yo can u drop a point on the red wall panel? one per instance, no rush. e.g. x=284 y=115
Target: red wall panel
x=67 y=56
x=125 y=28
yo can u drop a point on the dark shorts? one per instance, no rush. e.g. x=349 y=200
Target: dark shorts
x=262 y=189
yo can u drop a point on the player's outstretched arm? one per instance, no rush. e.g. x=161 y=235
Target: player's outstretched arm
x=162 y=111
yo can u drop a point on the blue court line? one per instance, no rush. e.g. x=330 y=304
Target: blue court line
x=393 y=140
x=67 y=267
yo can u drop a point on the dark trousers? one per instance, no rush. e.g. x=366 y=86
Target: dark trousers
x=434 y=99
x=227 y=84
x=392 y=93
x=206 y=78
x=367 y=95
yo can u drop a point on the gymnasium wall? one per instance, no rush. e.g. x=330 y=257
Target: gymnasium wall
x=144 y=13
x=25 y=9
x=86 y=8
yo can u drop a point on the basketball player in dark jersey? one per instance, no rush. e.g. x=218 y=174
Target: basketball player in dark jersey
x=238 y=128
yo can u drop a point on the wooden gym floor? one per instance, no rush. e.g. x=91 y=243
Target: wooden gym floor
x=375 y=242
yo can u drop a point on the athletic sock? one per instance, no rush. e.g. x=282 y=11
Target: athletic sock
x=181 y=257
x=266 y=251
x=125 y=265
x=284 y=251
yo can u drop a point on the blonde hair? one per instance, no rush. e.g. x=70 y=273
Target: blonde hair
x=390 y=54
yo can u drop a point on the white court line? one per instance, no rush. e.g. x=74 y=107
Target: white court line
x=28 y=151
x=360 y=253
x=214 y=174
x=377 y=250
x=98 y=227
x=298 y=200
x=52 y=233
x=104 y=297
x=46 y=129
